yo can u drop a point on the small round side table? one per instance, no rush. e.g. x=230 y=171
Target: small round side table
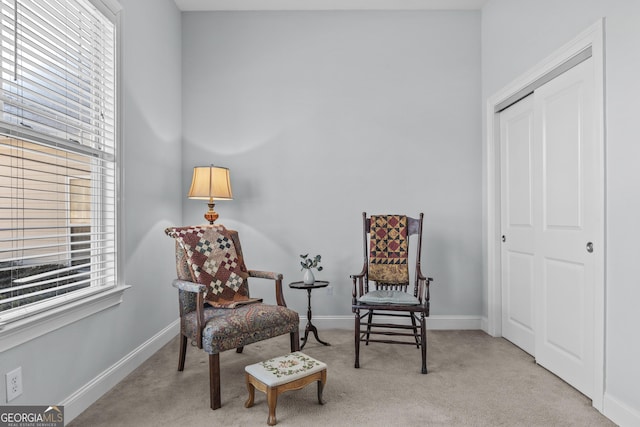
x=310 y=327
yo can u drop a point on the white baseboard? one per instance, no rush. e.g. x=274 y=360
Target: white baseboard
x=484 y=324
x=75 y=404
x=434 y=322
x=620 y=413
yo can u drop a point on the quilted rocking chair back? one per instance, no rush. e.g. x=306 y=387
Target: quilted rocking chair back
x=388 y=250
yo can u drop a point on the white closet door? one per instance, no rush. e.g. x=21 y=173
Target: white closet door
x=518 y=227
x=568 y=174
x=550 y=167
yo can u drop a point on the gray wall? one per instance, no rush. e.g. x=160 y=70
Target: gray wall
x=58 y=364
x=323 y=115
x=516 y=34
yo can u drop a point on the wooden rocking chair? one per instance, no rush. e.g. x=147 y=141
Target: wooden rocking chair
x=386 y=253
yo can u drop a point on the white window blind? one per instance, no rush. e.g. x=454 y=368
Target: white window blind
x=57 y=151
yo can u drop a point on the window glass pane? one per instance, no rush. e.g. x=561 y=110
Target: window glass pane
x=45 y=222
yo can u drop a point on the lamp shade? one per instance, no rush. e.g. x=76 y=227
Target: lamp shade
x=210 y=183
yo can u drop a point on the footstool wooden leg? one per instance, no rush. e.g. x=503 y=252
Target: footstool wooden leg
x=252 y=392
x=272 y=401
x=321 y=382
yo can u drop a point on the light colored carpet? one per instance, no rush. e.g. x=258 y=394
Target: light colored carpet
x=473 y=380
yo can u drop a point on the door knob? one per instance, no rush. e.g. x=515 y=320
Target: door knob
x=504 y=239
x=590 y=247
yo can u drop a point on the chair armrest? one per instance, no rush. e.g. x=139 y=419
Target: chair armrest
x=277 y=277
x=426 y=279
x=199 y=290
x=423 y=286
x=265 y=275
x=183 y=285
x=360 y=284
x=356 y=276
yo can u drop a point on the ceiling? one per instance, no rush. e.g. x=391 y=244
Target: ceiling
x=212 y=5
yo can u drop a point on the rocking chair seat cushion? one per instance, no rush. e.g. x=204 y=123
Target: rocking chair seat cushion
x=383 y=296
x=226 y=329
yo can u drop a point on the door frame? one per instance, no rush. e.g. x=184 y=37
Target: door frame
x=592 y=37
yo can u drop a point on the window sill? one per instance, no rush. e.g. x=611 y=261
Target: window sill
x=19 y=328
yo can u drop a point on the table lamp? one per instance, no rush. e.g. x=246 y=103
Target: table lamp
x=210 y=183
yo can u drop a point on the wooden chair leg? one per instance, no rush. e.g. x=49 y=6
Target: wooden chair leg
x=415 y=329
x=357 y=339
x=214 y=380
x=183 y=352
x=423 y=333
x=295 y=340
x=369 y=320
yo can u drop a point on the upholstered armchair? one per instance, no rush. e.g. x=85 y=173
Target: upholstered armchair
x=216 y=310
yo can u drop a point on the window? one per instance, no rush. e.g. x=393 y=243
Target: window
x=58 y=154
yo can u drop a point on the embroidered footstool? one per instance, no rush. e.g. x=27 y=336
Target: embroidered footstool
x=291 y=372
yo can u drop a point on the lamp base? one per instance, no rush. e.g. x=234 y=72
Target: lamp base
x=211 y=215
